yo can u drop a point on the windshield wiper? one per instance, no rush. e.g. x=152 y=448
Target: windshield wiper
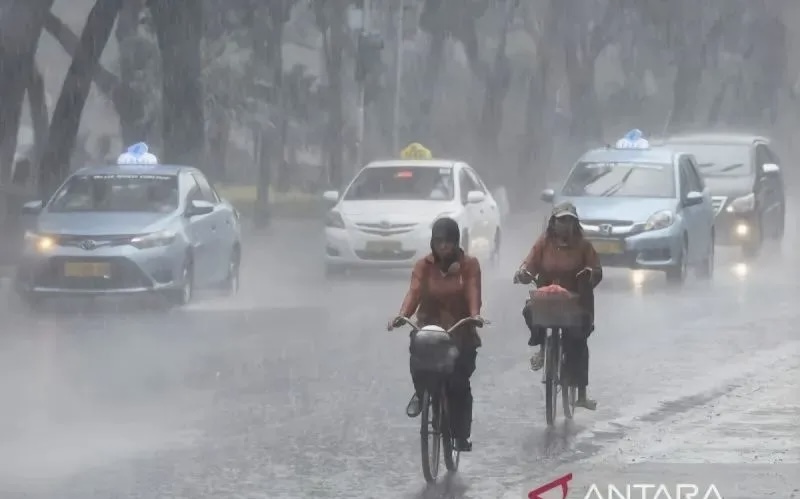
x=732 y=167
x=619 y=185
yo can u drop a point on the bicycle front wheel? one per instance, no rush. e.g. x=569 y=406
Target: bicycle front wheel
x=429 y=432
x=569 y=394
x=552 y=364
x=451 y=455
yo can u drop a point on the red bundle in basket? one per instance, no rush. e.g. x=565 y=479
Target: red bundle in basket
x=553 y=289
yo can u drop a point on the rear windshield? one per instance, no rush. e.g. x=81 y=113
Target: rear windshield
x=720 y=160
x=402 y=183
x=117 y=192
x=622 y=180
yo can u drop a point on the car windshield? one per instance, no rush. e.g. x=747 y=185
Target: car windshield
x=619 y=179
x=720 y=160
x=402 y=183
x=117 y=193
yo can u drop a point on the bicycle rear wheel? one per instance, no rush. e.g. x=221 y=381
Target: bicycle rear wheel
x=451 y=455
x=430 y=436
x=552 y=365
x=569 y=394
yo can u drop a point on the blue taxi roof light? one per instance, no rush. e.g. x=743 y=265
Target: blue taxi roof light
x=634 y=139
x=137 y=154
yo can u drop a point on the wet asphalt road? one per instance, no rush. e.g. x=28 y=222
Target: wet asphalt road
x=294 y=389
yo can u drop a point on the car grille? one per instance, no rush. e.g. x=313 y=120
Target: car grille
x=124 y=275
x=76 y=240
x=395 y=256
x=386 y=229
x=613 y=223
x=718 y=202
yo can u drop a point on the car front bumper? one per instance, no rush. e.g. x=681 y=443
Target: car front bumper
x=354 y=248
x=651 y=250
x=732 y=229
x=103 y=271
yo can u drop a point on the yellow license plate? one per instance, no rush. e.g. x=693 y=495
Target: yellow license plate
x=87 y=269
x=383 y=246
x=605 y=247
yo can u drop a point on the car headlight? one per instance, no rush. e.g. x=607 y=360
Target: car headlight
x=447 y=214
x=334 y=220
x=154 y=240
x=659 y=220
x=743 y=204
x=40 y=241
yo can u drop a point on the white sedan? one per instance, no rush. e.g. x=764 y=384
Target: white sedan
x=384 y=217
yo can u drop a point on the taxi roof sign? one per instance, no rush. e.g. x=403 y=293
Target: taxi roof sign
x=415 y=150
x=137 y=154
x=633 y=140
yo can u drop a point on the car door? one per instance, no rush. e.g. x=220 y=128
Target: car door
x=471 y=210
x=691 y=214
x=202 y=235
x=706 y=213
x=488 y=211
x=218 y=252
x=768 y=189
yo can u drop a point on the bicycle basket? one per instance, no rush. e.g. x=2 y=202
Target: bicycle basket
x=556 y=310
x=433 y=351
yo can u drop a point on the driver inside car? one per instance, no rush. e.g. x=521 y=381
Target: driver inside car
x=445 y=288
x=563 y=256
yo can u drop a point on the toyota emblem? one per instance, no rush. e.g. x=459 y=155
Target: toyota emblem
x=88 y=244
x=605 y=229
x=385 y=224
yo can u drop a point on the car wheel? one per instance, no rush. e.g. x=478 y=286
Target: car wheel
x=677 y=274
x=495 y=256
x=333 y=271
x=705 y=270
x=232 y=278
x=184 y=294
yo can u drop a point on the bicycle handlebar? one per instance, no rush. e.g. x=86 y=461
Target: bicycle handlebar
x=463 y=321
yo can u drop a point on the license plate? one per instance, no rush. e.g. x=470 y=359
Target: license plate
x=607 y=247
x=87 y=269
x=383 y=246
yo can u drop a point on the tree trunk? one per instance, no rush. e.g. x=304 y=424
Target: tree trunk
x=336 y=41
x=497 y=83
x=586 y=124
x=219 y=133
x=179 y=29
x=279 y=14
x=20 y=28
x=40 y=117
x=69 y=108
x=129 y=101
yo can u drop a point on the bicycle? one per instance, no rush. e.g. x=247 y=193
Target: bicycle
x=556 y=314
x=434 y=354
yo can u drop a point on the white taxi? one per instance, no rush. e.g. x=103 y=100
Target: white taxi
x=384 y=217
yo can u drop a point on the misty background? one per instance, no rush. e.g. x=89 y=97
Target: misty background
x=263 y=95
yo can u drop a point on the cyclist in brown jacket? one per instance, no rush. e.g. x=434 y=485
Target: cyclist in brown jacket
x=562 y=256
x=445 y=288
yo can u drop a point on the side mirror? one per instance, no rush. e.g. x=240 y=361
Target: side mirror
x=693 y=199
x=548 y=195
x=330 y=196
x=474 y=197
x=32 y=207
x=770 y=168
x=198 y=207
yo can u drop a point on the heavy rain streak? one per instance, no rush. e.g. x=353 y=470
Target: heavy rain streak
x=211 y=210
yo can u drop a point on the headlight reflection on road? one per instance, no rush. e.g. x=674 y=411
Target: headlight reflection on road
x=740 y=270
x=637 y=277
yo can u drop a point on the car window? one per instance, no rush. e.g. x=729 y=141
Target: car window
x=402 y=183
x=692 y=183
x=719 y=160
x=621 y=179
x=117 y=193
x=476 y=181
x=467 y=185
x=206 y=191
